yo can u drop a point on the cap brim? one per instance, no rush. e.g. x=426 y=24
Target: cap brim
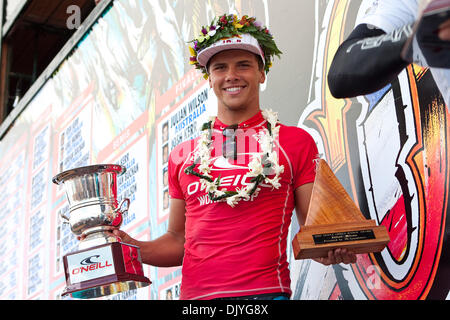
x=244 y=42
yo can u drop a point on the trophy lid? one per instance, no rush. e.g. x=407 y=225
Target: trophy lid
x=97 y=168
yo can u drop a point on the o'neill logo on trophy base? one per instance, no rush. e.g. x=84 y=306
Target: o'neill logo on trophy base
x=103 y=270
x=90 y=264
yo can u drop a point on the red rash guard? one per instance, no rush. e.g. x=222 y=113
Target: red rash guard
x=242 y=250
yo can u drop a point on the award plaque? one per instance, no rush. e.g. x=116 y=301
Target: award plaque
x=103 y=265
x=334 y=221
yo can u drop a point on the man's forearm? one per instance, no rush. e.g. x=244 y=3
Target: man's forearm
x=367 y=61
x=165 y=251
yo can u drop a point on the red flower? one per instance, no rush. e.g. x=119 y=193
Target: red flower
x=224 y=19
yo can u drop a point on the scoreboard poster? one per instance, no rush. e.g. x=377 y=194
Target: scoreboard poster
x=127 y=95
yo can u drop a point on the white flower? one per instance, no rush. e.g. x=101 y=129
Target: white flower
x=271 y=117
x=204 y=168
x=255 y=167
x=232 y=201
x=266 y=143
x=278 y=169
x=274 y=182
x=242 y=193
x=255 y=194
x=275 y=131
x=258 y=24
x=273 y=157
x=219 y=193
x=210 y=186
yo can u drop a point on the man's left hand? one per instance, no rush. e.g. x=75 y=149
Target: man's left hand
x=337 y=256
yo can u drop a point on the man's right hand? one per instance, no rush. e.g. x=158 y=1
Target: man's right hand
x=124 y=237
x=117 y=233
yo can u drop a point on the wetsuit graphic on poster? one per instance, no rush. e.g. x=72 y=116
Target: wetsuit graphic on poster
x=406 y=123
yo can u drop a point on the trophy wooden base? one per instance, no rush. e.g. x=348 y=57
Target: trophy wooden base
x=103 y=270
x=360 y=237
x=334 y=221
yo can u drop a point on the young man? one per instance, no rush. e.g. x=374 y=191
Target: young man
x=234 y=188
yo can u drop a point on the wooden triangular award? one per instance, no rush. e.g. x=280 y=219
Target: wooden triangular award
x=334 y=221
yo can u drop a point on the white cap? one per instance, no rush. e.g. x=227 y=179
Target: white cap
x=243 y=42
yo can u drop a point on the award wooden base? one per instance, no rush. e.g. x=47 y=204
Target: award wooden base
x=103 y=270
x=334 y=221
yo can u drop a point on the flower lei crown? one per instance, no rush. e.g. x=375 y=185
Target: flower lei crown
x=228 y=26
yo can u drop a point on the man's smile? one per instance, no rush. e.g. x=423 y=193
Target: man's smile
x=234 y=89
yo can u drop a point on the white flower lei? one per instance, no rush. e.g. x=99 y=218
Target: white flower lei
x=259 y=167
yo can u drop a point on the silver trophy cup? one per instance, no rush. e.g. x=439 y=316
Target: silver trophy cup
x=103 y=265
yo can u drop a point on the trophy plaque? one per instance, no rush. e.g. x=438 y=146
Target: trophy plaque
x=103 y=265
x=334 y=221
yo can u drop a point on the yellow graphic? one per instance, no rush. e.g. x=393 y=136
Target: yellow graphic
x=330 y=117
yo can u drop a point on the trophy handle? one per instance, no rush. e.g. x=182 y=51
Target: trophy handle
x=65 y=218
x=118 y=212
x=121 y=204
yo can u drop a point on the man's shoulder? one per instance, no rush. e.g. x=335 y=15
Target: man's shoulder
x=296 y=141
x=294 y=133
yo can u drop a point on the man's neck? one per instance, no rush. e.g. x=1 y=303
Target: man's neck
x=230 y=117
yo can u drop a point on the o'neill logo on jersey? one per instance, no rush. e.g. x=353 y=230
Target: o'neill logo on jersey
x=236 y=178
x=90 y=264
